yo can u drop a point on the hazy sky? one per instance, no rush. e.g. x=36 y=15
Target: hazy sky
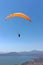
x=31 y=33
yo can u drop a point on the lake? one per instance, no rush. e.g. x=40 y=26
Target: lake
x=12 y=60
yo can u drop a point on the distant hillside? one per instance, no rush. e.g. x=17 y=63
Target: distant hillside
x=33 y=53
x=9 y=54
x=33 y=63
x=38 y=61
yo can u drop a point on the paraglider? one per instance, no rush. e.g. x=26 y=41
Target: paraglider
x=18 y=15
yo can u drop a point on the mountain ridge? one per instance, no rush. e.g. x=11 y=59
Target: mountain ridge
x=33 y=53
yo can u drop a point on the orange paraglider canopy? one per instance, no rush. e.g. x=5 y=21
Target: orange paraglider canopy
x=19 y=15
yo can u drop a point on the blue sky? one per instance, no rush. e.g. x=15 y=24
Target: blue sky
x=31 y=33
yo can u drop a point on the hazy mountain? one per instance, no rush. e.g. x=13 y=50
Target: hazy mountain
x=33 y=53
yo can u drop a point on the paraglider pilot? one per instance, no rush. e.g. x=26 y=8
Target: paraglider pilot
x=18 y=35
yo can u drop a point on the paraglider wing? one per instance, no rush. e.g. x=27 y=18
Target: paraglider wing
x=19 y=15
